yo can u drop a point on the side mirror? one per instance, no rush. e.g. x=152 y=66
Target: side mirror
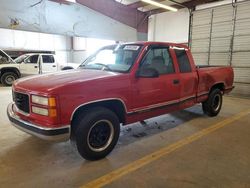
x=147 y=73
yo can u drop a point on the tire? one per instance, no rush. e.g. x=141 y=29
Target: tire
x=96 y=133
x=212 y=105
x=67 y=68
x=8 y=78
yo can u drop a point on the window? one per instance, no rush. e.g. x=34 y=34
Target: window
x=48 y=59
x=183 y=61
x=159 y=59
x=117 y=58
x=32 y=59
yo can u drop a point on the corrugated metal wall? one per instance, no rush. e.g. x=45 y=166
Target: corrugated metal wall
x=221 y=36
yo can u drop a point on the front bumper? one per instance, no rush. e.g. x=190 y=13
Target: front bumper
x=53 y=134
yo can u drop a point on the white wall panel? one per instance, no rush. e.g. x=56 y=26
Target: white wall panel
x=242 y=27
x=241 y=89
x=200 y=58
x=219 y=59
x=227 y=38
x=243 y=11
x=200 y=45
x=201 y=32
x=201 y=26
x=62 y=42
x=25 y=40
x=222 y=29
x=241 y=59
x=202 y=17
x=63 y=57
x=79 y=43
x=6 y=38
x=223 y=14
x=242 y=75
x=220 y=44
x=46 y=42
x=79 y=56
x=72 y=20
x=169 y=27
x=241 y=43
x=241 y=49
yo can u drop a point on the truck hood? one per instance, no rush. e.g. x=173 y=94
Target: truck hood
x=49 y=82
x=9 y=65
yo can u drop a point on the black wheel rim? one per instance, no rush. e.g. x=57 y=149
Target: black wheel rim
x=100 y=135
x=216 y=102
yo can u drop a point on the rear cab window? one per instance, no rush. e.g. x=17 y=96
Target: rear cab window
x=183 y=60
x=48 y=59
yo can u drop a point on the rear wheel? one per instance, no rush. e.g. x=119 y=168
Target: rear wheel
x=8 y=78
x=96 y=133
x=67 y=68
x=212 y=105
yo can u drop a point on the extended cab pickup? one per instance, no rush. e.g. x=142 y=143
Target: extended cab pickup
x=24 y=65
x=119 y=84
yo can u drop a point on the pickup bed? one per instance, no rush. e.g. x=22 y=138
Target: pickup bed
x=118 y=85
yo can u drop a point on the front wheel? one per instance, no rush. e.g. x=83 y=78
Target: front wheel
x=96 y=133
x=212 y=105
x=8 y=78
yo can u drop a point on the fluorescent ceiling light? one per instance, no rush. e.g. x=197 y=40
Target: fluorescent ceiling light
x=160 y=5
x=71 y=1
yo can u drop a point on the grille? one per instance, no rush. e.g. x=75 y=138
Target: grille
x=22 y=101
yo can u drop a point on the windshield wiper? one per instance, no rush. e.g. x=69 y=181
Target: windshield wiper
x=82 y=65
x=104 y=65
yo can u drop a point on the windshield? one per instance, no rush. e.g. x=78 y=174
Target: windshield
x=113 y=58
x=20 y=59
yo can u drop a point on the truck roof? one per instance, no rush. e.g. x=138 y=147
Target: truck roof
x=159 y=43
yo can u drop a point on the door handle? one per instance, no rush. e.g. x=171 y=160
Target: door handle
x=54 y=66
x=35 y=66
x=176 y=81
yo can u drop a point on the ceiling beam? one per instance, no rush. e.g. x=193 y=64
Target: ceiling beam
x=117 y=11
x=137 y=4
x=140 y=4
x=193 y=3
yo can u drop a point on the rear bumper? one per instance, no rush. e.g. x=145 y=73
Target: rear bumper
x=53 y=134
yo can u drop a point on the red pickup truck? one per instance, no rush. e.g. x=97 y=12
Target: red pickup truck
x=119 y=84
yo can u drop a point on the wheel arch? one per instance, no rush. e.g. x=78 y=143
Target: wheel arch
x=220 y=86
x=67 y=68
x=114 y=104
x=10 y=69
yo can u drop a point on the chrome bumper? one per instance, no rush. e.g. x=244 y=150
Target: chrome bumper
x=53 y=134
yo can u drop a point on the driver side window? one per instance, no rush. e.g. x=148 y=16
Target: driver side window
x=159 y=59
x=32 y=59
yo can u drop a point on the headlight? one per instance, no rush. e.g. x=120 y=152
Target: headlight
x=41 y=111
x=44 y=111
x=51 y=101
x=40 y=100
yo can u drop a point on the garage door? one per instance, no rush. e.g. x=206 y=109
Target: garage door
x=220 y=38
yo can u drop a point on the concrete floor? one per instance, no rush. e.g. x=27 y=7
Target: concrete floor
x=219 y=159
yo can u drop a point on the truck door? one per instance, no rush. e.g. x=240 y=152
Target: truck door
x=48 y=63
x=156 y=92
x=30 y=66
x=188 y=78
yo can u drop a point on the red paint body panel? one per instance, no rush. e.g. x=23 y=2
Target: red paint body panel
x=142 y=97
